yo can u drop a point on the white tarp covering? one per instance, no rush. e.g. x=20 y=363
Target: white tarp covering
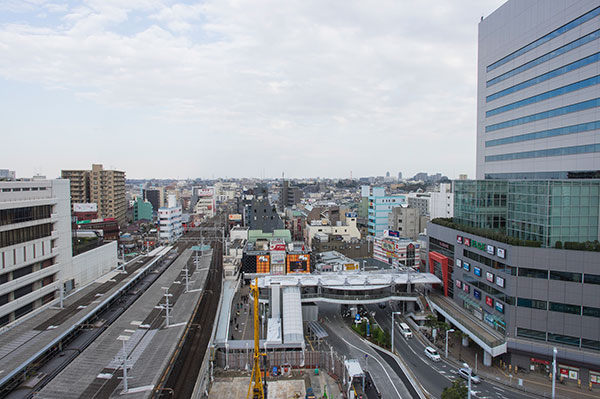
x=292 y=316
x=274 y=331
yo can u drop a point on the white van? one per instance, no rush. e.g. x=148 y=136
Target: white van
x=405 y=330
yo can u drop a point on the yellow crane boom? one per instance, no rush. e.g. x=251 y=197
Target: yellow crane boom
x=256 y=378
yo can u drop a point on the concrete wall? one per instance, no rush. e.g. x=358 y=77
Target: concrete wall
x=92 y=264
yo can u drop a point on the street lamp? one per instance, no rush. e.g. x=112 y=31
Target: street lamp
x=393 y=313
x=447 y=332
x=554 y=352
x=466 y=366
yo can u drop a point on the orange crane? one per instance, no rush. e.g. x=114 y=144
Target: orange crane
x=258 y=391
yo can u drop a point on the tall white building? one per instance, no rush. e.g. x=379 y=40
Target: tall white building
x=169 y=219
x=206 y=201
x=35 y=244
x=36 y=255
x=442 y=202
x=538 y=96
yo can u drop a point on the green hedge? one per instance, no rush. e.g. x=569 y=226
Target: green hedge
x=492 y=235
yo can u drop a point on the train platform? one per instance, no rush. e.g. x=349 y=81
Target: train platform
x=141 y=333
x=24 y=342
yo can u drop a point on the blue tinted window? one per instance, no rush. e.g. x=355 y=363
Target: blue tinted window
x=545 y=96
x=546 y=76
x=561 y=131
x=545 y=115
x=546 y=57
x=552 y=152
x=555 y=33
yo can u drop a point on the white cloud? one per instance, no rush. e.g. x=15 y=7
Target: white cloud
x=312 y=73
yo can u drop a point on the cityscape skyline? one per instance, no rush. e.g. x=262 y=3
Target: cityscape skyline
x=156 y=89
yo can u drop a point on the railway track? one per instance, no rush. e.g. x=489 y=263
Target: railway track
x=179 y=378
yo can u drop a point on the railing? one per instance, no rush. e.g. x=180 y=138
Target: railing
x=473 y=320
x=361 y=296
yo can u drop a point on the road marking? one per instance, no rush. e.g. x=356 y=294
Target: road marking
x=377 y=360
x=498 y=388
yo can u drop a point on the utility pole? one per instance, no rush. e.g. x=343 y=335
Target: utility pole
x=187 y=278
x=166 y=306
x=554 y=352
x=124 y=338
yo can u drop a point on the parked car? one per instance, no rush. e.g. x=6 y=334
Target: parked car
x=464 y=373
x=432 y=354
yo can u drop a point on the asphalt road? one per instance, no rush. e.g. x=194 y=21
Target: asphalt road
x=346 y=342
x=435 y=376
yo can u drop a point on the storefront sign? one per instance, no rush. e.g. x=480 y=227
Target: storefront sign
x=488 y=248
x=477 y=271
x=499 y=307
x=501 y=253
x=595 y=377
x=569 y=372
x=540 y=361
x=500 y=281
x=489 y=277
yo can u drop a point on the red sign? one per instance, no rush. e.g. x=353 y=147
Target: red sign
x=489 y=301
x=540 y=361
x=467 y=241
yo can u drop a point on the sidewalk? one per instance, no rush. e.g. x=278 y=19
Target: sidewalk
x=533 y=382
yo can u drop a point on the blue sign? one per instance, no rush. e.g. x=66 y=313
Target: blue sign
x=476 y=293
x=466 y=266
x=357 y=317
x=477 y=271
x=393 y=233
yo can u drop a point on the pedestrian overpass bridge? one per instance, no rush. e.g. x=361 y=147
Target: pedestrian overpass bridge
x=351 y=288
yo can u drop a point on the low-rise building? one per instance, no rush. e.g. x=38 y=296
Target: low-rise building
x=396 y=251
x=407 y=221
x=333 y=261
x=355 y=249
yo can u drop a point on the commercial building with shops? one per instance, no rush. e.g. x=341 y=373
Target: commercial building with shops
x=396 y=251
x=533 y=298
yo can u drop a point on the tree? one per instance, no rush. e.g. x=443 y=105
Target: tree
x=458 y=390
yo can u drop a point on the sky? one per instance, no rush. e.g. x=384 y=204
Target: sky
x=232 y=88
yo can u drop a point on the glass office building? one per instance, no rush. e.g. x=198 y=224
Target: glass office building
x=545 y=211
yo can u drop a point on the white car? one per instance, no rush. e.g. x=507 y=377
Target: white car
x=432 y=354
x=464 y=373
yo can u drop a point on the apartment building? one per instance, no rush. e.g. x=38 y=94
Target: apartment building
x=106 y=188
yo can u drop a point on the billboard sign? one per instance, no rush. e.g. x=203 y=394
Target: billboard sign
x=489 y=249
x=393 y=233
x=458 y=262
x=205 y=192
x=467 y=266
x=476 y=293
x=477 y=271
x=298 y=263
x=235 y=217
x=489 y=277
x=489 y=301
